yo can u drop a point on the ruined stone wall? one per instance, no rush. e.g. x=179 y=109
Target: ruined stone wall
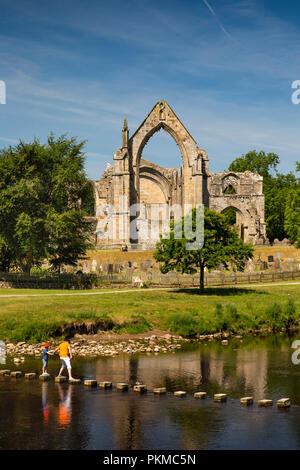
x=140 y=181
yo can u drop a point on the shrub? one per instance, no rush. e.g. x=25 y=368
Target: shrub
x=290 y=314
x=222 y=320
x=185 y=324
x=275 y=317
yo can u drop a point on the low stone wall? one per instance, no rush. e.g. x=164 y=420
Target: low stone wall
x=138 y=278
x=63 y=281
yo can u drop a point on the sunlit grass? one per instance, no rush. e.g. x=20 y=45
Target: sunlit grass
x=36 y=318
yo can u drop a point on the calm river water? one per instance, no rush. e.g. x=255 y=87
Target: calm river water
x=36 y=415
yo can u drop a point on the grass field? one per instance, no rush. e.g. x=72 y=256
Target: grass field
x=184 y=312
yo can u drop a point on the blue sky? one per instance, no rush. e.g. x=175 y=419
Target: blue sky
x=224 y=66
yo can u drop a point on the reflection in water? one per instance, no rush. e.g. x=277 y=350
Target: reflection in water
x=64 y=408
x=61 y=416
x=45 y=402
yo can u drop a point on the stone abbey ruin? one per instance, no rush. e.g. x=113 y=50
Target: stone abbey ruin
x=134 y=181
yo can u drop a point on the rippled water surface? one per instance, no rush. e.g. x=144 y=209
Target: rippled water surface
x=35 y=415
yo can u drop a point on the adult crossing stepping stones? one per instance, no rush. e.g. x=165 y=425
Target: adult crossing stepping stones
x=200 y=395
x=105 y=385
x=220 y=397
x=90 y=383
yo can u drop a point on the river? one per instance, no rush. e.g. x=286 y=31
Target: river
x=35 y=415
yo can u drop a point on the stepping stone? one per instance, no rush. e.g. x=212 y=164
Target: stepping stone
x=61 y=379
x=44 y=377
x=105 y=385
x=122 y=386
x=74 y=381
x=4 y=372
x=179 y=393
x=160 y=391
x=265 y=402
x=284 y=403
x=220 y=397
x=30 y=376
x=90 y=383
x=140 y=388
x=200 y=395
x=246 y=401
x=16 y=374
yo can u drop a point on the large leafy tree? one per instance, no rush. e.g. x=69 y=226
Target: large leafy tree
x=221 y=245
x=292 y=213
x=276 y=187
x=41 y=189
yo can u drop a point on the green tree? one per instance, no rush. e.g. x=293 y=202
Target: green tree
x=6 y=256
x=276 y=187
x=257 y=162
x=292 y=213
x=221 y=246
x=41 y=188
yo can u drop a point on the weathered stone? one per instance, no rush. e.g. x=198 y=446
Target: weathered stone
x=246 y=401
x=160 y=391
x=90 y=383
x=4 y=372
x=44 y=377
x=105 y=385
x=220 y=397
x=30 y=376
x=265 y=402
x=136 y=179
x=60 y=379
x=180 y=393
x=200 y=395
x=17 y=374
x=74 y=381
x=140 y=388
x=122 y=386
x=284 y=403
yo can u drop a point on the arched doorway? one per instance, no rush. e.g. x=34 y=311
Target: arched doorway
x=235 y=218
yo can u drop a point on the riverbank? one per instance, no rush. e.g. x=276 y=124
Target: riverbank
x=111 y=345
x=179 y=312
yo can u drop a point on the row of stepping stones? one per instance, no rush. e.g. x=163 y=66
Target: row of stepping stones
x=141 y=388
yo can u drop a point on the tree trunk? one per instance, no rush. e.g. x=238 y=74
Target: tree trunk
x=201 y=279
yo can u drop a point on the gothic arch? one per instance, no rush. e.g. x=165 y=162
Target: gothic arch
x=163 y=117
x=155 y=176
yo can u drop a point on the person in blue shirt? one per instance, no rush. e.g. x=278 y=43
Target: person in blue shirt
x=45 y=358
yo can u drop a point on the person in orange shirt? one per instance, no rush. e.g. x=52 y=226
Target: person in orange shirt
x=65 y=355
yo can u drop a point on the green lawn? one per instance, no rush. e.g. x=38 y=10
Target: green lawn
x=184 y=312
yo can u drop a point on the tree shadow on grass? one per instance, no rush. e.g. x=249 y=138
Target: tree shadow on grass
x=221 y=291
